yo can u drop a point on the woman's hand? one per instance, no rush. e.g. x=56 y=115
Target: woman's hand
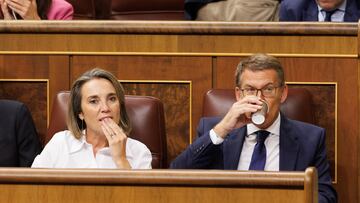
x=5 y=11
x=27 y=9
x=117 y=142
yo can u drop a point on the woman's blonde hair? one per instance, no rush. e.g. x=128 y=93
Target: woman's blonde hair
x=74 y=123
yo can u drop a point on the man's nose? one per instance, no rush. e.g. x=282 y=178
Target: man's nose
x=259 y=93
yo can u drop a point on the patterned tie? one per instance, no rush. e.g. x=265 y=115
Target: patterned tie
x=328 y=15
x=258 y=158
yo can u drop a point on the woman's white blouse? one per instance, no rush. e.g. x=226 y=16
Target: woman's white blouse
x=65 y=151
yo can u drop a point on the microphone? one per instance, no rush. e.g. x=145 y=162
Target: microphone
x=258 y=117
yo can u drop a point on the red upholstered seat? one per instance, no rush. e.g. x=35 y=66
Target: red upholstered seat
x=128 y=9
x=147 y=10
x=83 y=9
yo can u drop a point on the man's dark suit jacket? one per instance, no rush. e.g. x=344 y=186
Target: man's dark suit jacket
x=307 y=10
x=301 y=145
x=19 y=142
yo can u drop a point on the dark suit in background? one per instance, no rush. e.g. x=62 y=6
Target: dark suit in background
x=19 y=142
x=307 y=10
x=192 y=6
x=301 y=145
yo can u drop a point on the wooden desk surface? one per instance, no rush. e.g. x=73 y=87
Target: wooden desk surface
x=90 y=185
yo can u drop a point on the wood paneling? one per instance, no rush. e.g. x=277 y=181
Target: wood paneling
x=176 y=99
x=83 y=193
x=156 y=186
x=41 y=76
x=344 y=72
x=167 y=44
x=325 y=115
x=268 y=44
x=33 y=95
x=166 y=37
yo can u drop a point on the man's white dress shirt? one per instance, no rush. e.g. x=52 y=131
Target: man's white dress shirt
x=272 y=144
x=337 y=16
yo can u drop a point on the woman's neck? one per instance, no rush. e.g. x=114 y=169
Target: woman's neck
x=97 y=141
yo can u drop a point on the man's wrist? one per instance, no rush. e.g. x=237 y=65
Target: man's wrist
x=215 y=139
x=220 y=131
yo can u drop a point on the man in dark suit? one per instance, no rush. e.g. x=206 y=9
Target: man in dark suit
x=273 y=144
x=19 y=142
x=320 y=10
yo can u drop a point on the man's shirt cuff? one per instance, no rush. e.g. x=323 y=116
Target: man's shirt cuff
x=215 y=139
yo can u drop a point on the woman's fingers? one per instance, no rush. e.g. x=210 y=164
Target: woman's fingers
x=112 y=130
x=27 y=9
x=106 y=131
x=18 y=6
x=5 y=10
x=114 y=127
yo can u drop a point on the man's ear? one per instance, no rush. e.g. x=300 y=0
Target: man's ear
x=284 y=93
x=237 y=93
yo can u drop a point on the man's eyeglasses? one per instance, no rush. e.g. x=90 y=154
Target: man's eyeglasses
x=268 y=91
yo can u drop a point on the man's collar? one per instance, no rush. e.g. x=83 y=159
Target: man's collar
x=273 y=129
x=342 y=6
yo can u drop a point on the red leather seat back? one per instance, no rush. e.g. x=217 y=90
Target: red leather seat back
x=83 y=9
x=147 y=10
x=128 y=9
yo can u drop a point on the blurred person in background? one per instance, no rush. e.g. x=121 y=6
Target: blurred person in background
x=19 y=141
x=36 y=10
x=232 y=10
x=320 y=10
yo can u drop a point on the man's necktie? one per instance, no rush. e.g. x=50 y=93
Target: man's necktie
x=328 y=15
x=258 y=158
